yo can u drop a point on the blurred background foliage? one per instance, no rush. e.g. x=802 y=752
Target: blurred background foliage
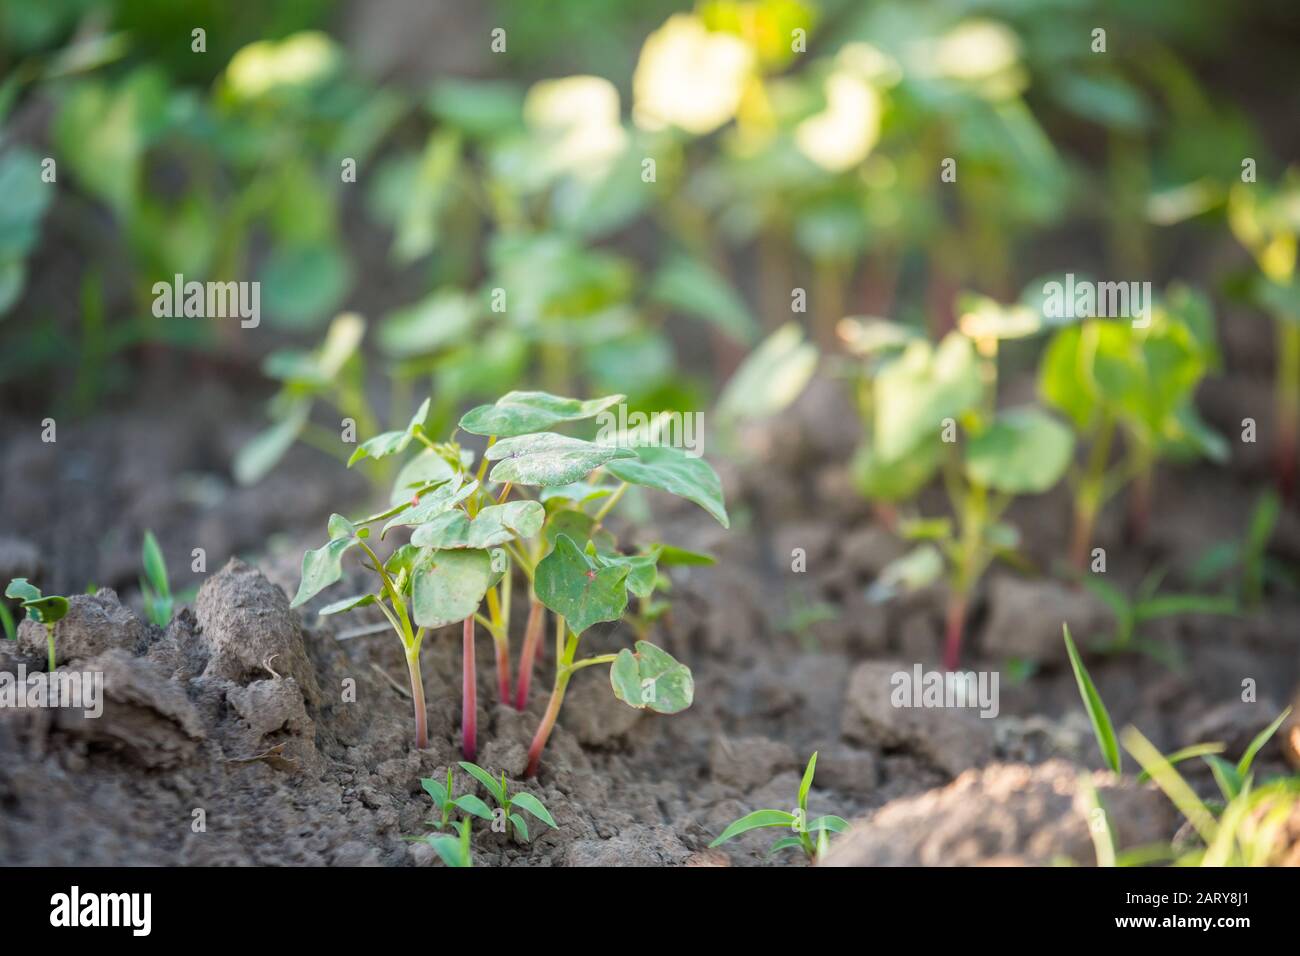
x=778 y=164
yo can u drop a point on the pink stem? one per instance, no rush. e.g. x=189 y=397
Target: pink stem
x=532 y=641
x=956 y=623
x=469 y=697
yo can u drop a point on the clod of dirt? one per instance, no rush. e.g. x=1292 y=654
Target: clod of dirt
x=748 y=762
x=953 y=740
x=147 y=718
x=1007 y=814
x=95 y=623
x=1025 y=618
x=847 y=769
x=593 y=714
x=268 y=706
x=252 y=634
x=636 y=845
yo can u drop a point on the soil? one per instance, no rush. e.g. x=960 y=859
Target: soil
x=248 y=733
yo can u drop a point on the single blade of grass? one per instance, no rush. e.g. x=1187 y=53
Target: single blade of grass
x=1098 y=823
x=754 y=821
x=1171 y=782
x=1243 y=767
x=1187 y=753
x=1102 y=727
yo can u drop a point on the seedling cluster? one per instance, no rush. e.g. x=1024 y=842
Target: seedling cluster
x=454 y=850
x=470 y=540
x=808 y=835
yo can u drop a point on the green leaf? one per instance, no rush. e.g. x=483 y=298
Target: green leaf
x=519 y=413
x=473 y=805
x=806 y=783
x=323 y=566
x=1243 y=767
x=347 y=604
x=520 y=824
x=829 y=822
x=651 y=678
x=442 y=319
x=155 y=568
x=785 y=843
x=689 y=286
x=882 y=479
x=530 y=804
x=918 y=390
x=259 y=455
x=450 y=587
x=642 y=571
x=442 y=498
x=447 y=530
x=545 y=458
x=674 y=471
x=391 y=443
x=426 y=468
x=435 y=789
x=672 y=556
x=449 y=849
x=573 y=585
x=494 y=786
x=919 y=568
x=1102 y=728
x=19 y=589
x=771 y=378
x=1024 y=451
x=754 y=821
x=47 y=610
x=1187 y=753
x=1225 y=775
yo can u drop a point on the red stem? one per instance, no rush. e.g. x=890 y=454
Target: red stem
x=956 y=623
x=547 y=725
x=503 y=671
x=532 y=641
x=469 y=697
x=417 y=700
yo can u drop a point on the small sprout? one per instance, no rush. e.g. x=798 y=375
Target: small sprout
x=1102 y=727
x=445 y=802
x=454 y=850
x=43 y=609
x=1149 y=604
x=813 y=847
x=154 y=586
x=501 y=795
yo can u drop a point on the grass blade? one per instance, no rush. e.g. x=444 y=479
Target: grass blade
x=1101 y=725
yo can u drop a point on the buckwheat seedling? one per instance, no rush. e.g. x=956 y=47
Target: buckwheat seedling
x=524 y=801
x=798 y=821
x=44 y=609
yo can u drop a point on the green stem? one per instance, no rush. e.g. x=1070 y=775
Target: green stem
x=565 y=651
x=609 y=504
x=417 y=698
x=49 y=640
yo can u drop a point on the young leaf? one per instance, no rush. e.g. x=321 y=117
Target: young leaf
x=447 y=530
x=1225 y=775
x=450 y=586
x=1243 y=767
x=571 y=584
x=919 y=389
x=771 y=378
x=672 y=470
x=450 y=849
x=545 y=458
x=519 y=413
x=521 y=825
x=47 y=610
x=260 y=454
x=443 y=498
x=391 y=443
x=1024 y=451
x=689 y=286
x=651 y=678
x=323 y=566
x=1101 y=725
x=806 y=783
x=21 y=590
x=785 y=843
x=435 y=789
x=529 y=803
x=497 y=524
x=829 y=822
x=1187 y=753
x=155 y=568
x=494 y=786
x=473 y=805
x=642 y=572
x=754 y=821
x=347 y=604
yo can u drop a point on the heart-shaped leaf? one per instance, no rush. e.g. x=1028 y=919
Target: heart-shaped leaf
x=519 y=413
x=449 y=587
x=672 y=470
x=918 y=390
x=391 y=443
x=47 y=610
x=576 y=587
x=545 y=458
x=443 y=498
x=653 y=679
x=497 y=524
x=426 y=468
x=642 y=570
x=324 y=566
x=1024 y=451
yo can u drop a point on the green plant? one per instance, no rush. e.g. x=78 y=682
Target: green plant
x=798 y=821
x=507 y=803
x=1244 y=831
x=46 y=609
x=454 y=850
x=1149 y=604
x=154 y=585
x=920 y=400
x=445 y=801
x=1110 y=376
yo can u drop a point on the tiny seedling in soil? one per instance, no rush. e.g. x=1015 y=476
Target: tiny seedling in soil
x=804 y=829
x=154 y=586
x=43 y=609
x=1110 y=378
x=507 y=804
x=1246 y=563
x=919 y=399
x=445 y=802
